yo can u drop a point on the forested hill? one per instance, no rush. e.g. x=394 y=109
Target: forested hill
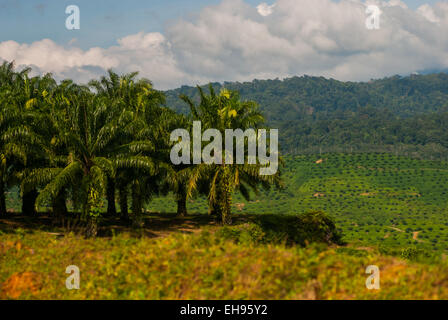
x=404 y=115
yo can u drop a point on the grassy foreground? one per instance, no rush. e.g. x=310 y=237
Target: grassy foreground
x=204 y=265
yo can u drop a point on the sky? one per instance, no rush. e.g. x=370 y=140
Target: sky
x=177 y=42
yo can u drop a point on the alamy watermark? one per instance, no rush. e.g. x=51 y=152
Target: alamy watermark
x=73 y=21
x=373 y=19
x=212 y=153
x=72 y=281
x=373 y=281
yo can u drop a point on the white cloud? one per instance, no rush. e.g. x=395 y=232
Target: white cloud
x=148 y=53
x=232 y=41
x=428 y=12
x=264 y=9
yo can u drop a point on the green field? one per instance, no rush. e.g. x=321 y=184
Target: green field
x=375 y=199
x=392 y=212
x=204 y=266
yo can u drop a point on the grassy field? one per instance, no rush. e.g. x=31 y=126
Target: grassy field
x=391 y=211
x=204 y=265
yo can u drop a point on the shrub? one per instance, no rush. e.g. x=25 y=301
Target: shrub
x=302 y=229
x=245 y=233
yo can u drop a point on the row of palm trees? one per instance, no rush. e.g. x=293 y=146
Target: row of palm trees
x=110 y=140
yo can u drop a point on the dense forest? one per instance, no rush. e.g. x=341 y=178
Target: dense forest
x=404 y=115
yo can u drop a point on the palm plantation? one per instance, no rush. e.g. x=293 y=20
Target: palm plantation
x=79 y=149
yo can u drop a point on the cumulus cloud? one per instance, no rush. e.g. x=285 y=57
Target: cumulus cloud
x=428 y=12
x=235 y=41
x=150 y=53
x=264 y=9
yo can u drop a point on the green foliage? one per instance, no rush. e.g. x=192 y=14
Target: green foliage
x=82 y=143
x=405 y=115
x=413 y=254
x=221 y=112
x=374 y=199
x=302 y=229
x=248 y=233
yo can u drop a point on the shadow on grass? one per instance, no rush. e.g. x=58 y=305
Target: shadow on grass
x=300 y=229
x=155 y=224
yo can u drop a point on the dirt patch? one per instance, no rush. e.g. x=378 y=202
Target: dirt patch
x=396 y=229
x=21 y=283
x=415 y=236
x=318 y=195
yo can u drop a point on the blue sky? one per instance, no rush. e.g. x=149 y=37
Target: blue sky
x=103 y=21
x=177 y=42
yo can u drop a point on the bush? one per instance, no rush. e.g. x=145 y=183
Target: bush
x=248 y=233
x=413 y=254
x=302 y=229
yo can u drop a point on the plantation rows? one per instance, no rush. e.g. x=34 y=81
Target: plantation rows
x=376 y=199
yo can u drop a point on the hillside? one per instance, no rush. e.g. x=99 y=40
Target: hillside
x=406 y=115
x=375 y=199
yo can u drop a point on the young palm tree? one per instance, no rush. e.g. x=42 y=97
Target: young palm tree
x=221 y=112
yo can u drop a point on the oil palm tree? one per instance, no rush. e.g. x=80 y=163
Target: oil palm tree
x=16 y=136
x=8 y=115
x=34 y=105
x=138 y=97
x=50 y=120
x=90 y=132
x=176 y=178
x=226 y=111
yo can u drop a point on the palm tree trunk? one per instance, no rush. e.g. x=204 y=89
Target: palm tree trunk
x=3 y=211
x=92 y=227
x=182 y=202
x=123 y=195
x=225 y=198
x=110 y=194
x=182 y=206
x=92 y=220
x=29 y=202
x=226 y=210
x=137 y=207
x=212 y=209
x=60 y=205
